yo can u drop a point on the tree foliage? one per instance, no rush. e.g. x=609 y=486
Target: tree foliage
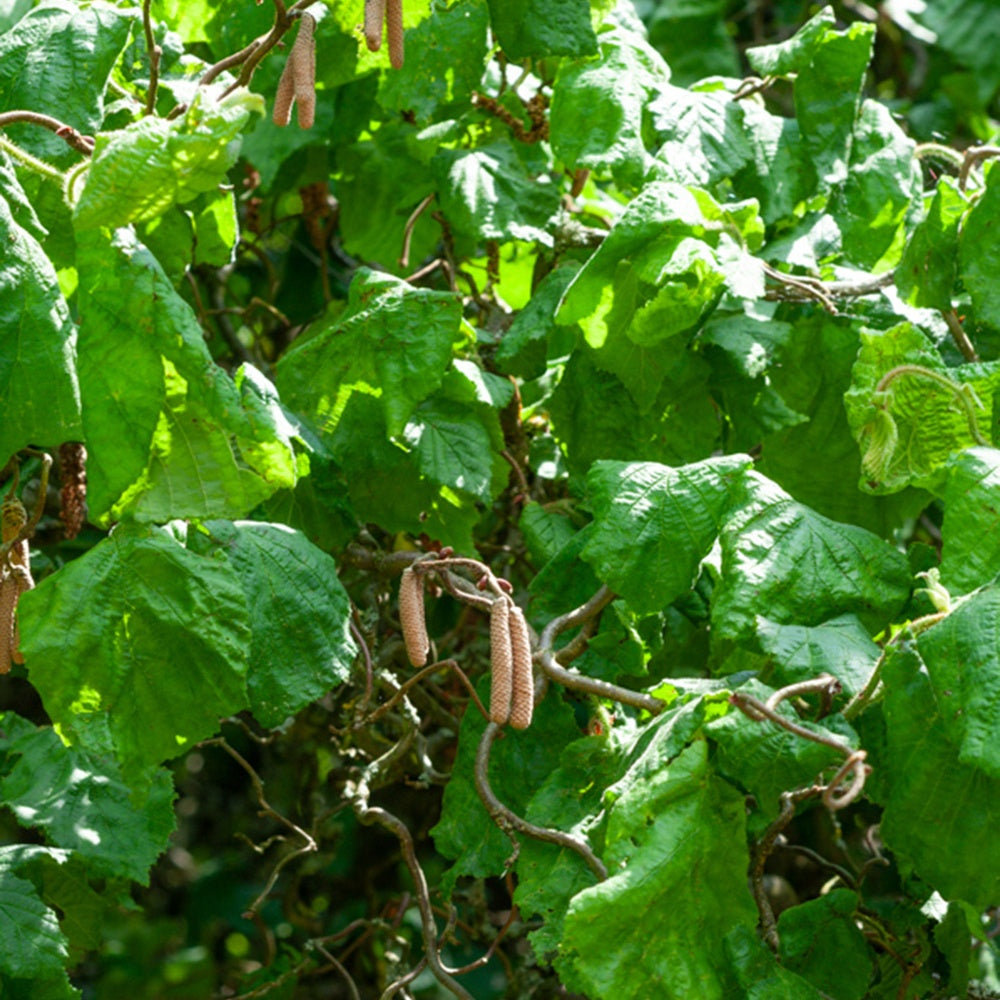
x=673 y=327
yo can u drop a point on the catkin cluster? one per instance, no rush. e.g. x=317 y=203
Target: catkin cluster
x=298 y=79
x=391 y=12
x=512 y=686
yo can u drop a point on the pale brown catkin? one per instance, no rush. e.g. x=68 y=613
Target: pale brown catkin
x=374 y=16
x=281 y=114
x=411 y=616
x=10 y=591
x=394 y=32
x=73 y=492
x=501 y=662
x=302 y=59
x=523 y=683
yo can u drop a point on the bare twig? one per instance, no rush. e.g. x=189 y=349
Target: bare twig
x=507 y=820
x=416 y=678
x=411 y=222
x=959 y=335
x=973 y=157
x=155 y=54
x=824 y=684
x=759 y=710
x=81 y=143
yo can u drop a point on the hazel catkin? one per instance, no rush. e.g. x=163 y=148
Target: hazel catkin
x=374 y=16
x=523 y=682
x=411 y=616
x=298 y=79
x=394 y=32
x=11 y=588
x=73 y=492
x=501 y=662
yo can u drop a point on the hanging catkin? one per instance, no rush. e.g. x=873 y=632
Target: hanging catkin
x=501 y=662
x=73 y=492
x=9 y=593
x=16 y=579
x=374 y=16
x=298 y=79
x=411 y=616
x=394 y=32
x=523 y=682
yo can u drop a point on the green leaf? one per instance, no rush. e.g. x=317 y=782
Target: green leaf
x=82 y=803
x=765 y=760
x=519 y=763
x=898 y=370
x=137 y=173
x=56 y=60
x=971 y=529
x=758 y=972
x=654 y=524
x=597 y=112
x=968 y=30
x=488 y=194
x=829 y=69
x=932 y=797
x=961 y=655
x=537 y=28
x=979 y=252
x=545 y=531
x=677 y=851
x=299 y=613
x=694 y=38
x=841 y=647
x=446 y=57
x=882 y=188
x=141 y=637
x=820 y=940
x=929 y=266
x=802 y=567
x=659 y=270
x=39 y=391
x=394 y=340
x=168 y=432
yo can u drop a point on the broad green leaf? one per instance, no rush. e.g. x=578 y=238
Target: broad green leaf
x=594 y=416
x=979 y=252
x=446 y=56
x=702 y=135
x=299 y=614
x=539 y=28
x=523 y=350
x=759 y=975
x=143 y=638
x=654 y=524
x=215 y=229
x=18 y=204
x=168 y=432
x=841 y=647
x=394 y=341
x=932 y=413
x=39 y=390
x=659 y=270
x=598 y=107
x=694 y=38
x=817 y=461
x=962 y=659
x=57 y=60
x=34 y=946
x=519 y=764
x=545 y=531
x=971 y=529
x=932 y=797
x=929 y=267
x=565 y=581
x=82 y=803
x=137 y=173
x=882 y=188
x=803 y=568
x=488 y=194
x=844 y=965
x=829 y=69
x=970 y=32
x=386 y=486
x=676 y=847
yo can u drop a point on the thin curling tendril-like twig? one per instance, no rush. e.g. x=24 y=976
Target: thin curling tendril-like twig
x=507 y=820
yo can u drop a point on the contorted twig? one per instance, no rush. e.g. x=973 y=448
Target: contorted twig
x=81 y=143
x=509 y=821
